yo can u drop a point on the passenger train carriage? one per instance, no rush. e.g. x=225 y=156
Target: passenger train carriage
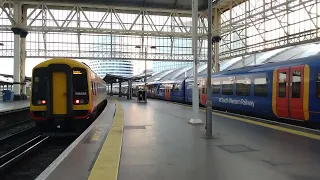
x=289 y=90
x=65 y=93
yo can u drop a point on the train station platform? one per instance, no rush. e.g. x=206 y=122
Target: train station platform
x=154 y=141
x=13 y=105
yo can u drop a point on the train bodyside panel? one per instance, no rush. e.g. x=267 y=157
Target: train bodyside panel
x=245 y=93
x=314 y=93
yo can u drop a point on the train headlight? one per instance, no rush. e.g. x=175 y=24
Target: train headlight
x=77 y=101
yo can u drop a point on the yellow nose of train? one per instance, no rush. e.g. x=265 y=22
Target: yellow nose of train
x=64 y=91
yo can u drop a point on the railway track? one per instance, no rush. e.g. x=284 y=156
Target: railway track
x=30 y=158
x=12 y=156
x=21 y=127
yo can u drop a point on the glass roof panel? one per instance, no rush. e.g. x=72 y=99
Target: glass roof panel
x=267 y=55
x=314 y=49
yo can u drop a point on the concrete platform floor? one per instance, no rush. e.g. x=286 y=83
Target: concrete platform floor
x=13 y=105
x=160 y=144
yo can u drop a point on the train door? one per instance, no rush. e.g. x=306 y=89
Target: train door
x=290 y=85
x=296 y=92
x=59 y=98
x=203 y=92
x=167 y=92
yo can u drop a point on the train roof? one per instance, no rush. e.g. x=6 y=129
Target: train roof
x=62 y=61
x=70 y=62
x=265 y=67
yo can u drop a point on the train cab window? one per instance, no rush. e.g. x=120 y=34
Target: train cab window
x=80 y=85
x=216 y=87
x=227 y=88
x=296 y=84
x=39 y=86
x=261 y=87
x=282 y=84
x=318 y=86
x=243 y=87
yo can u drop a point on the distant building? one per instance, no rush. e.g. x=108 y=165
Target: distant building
x=114 y=67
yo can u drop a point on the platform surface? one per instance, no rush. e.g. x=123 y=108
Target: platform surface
x=13 y=105
x=76 y=162
x=156 y=142
x=159 y=143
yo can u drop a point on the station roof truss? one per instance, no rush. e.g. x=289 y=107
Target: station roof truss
x=248 y=27
x=245 y=26
x=168 y=27
x=164 y=4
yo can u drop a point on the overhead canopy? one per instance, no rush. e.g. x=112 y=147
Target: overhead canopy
x=109 y=78
x=163 y=4
x=11 y=76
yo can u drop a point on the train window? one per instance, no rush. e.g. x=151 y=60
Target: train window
x=177 y=87
x=318 y=86
x=39 y=86
x=92 y=88
x=227 y=88
x=282 y=84
x=296 y=84
x=261 y=87
x=216 y=87
x=243 y=87
x=80 y=85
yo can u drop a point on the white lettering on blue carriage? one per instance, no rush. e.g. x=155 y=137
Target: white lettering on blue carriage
x=80 y=93
x=244 y=102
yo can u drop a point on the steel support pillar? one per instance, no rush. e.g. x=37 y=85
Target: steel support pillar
x=209 y=70
x=23 y=36
x=120 y=93
x=16 y=64
x=195 y=91
x=111 y=93
x=20 y=19
x=23 y=54
x=216 y=38
x=129 y=89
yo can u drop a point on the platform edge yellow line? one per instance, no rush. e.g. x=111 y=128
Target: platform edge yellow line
x=107 y=164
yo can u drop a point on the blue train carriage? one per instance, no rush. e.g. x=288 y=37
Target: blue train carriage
x=296 y=90
x=153 y=90
x=288 y=90
x=242 y=91
x=188 y=86
x=174 y=90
